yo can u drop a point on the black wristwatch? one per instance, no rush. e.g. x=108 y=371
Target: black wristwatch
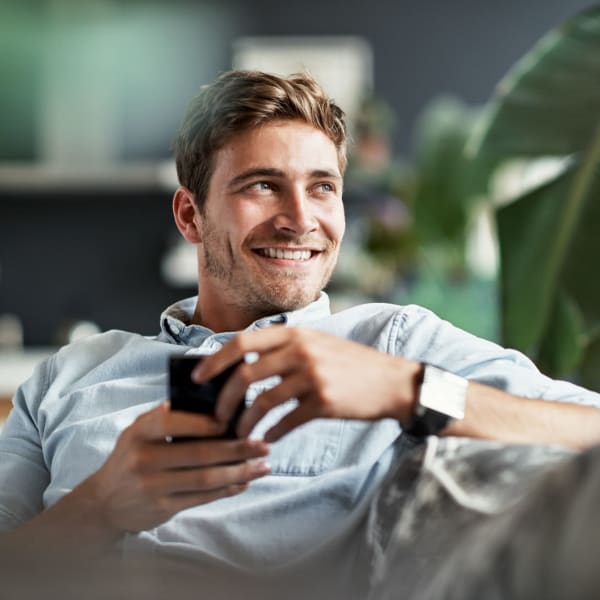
x=442 y=398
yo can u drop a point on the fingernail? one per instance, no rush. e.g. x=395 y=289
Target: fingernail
x=262 y=467
x=259 y=446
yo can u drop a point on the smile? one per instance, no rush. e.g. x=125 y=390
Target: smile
x=286 y=254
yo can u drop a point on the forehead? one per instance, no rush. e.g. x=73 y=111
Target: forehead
x=294 y=147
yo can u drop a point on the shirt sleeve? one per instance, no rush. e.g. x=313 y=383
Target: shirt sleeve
x=421 y=335
x=23 y=472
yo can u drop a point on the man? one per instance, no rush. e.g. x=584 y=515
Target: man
x=86 y=455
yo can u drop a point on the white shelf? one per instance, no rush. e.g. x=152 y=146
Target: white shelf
x=48 y=177
x=16 y=367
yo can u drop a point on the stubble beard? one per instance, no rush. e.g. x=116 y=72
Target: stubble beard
x=258 y=296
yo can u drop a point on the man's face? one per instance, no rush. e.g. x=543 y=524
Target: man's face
x=273 y=219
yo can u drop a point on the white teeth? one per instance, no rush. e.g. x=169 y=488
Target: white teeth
x=286 y=254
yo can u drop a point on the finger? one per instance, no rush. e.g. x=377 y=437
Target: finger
x=293 y=419
x=194 y=453
x=187 y=424
x=258 y=340
x=161 y=422
x=294 y=386
x=204 y=479
x=276 y=362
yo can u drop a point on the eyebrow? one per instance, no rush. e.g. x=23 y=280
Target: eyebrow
x=251 y=173
x=269 y=172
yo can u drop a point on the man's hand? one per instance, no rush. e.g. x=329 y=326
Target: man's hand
x=146 y=479
x=144 y=482
x=336 y=378
x=331 y=377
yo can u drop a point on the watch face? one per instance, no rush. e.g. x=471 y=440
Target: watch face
x=443 y=392
x=441 y=399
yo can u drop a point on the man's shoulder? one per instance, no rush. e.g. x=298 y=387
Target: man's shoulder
x=109 y=347
x=102 y=343
x=106 y=357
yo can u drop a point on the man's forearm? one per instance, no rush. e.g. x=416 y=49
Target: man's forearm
x=332 y=377
x=74 y=525
x=496 y=415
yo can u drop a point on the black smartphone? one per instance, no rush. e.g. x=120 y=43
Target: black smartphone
x=199 y=397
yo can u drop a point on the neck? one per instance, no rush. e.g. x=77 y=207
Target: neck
x=223 y=316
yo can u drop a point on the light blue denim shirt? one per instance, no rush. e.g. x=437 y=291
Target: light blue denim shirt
x=67 y=417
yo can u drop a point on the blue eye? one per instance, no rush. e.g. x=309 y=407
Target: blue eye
x=261 y=186
x=326 y=187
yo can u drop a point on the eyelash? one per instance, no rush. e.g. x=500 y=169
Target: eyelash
x=329 y=185
x=257 y=185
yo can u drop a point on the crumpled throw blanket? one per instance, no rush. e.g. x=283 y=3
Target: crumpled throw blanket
x=465 y=519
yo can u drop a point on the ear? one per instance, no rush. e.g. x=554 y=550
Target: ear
x=187 y=215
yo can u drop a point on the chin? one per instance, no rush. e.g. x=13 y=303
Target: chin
x=273 y=303
x=295 y=303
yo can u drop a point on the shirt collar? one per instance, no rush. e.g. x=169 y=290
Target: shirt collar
x=176 y=327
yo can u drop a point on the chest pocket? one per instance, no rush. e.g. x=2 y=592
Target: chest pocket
x=307 y=450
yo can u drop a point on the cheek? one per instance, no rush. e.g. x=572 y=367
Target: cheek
x=341 y=224
x=228 y=228
x=228 y=244
x=251 y=222
x=334 y=223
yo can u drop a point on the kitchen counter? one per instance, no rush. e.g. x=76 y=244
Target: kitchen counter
x=5 y=406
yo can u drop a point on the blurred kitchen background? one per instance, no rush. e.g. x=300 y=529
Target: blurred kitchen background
x=92 y=92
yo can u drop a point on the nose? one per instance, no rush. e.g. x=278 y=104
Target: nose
x=296 y=215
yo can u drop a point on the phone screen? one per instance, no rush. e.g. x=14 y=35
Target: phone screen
x=199 y=397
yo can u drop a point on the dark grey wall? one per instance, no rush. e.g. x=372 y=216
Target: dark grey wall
x=67 y=258
x=426 y=47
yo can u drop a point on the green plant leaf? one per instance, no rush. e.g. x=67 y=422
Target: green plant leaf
x=564 y=344
x=527 y=229
x=589 y=373
x=549 y=105
x=537 y=268
x=578 y=275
